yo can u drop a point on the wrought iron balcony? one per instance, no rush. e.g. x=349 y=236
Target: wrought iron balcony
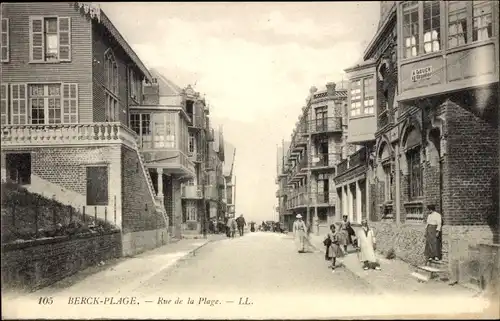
x=359 y=158
x=192 y=191
x=196 y=121
x=323 y=125
x=325 y=160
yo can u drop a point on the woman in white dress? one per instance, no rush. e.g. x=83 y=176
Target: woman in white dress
x=367 y=244
x=299 y=232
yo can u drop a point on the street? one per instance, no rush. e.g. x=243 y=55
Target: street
x=259 y=275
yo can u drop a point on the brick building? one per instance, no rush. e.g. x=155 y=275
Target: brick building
x=229 y=197
x=317 y=144
x=434 y=138
x=68 y=82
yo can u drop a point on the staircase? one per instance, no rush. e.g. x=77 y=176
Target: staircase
x=432 y=270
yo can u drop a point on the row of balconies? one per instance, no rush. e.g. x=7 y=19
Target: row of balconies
x=196 y=192
x=359 y=158
x=315 y=126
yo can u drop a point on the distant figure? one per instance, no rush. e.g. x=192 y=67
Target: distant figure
x=432 y=234
x=299 y=232
x=343 y=234
x=333 y=250
x=240 y=221
x=231 y=227
x=252 y=227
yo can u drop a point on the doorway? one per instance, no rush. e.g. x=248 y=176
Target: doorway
x=18 y=167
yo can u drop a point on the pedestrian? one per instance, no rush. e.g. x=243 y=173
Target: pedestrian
x=333 y=249
x=367 y=244
x=432 y=234
x=240 y=221
x=252 y=226
x=299 y=232
x=343 y=234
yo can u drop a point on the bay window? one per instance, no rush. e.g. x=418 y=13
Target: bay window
x=469 y=21
x=141 y=125
x=421 y=27
x=482 y=20
x=368 y=96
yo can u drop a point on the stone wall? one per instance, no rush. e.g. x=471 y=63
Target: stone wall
x=36 y=264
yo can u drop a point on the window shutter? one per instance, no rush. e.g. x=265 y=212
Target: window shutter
x=64 y=31
x=19 y=108
x=5 y=40
x=4 y=104
x=70 y=103
x=37 y=51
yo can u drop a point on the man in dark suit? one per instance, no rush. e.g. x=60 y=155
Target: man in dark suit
x=240 y=221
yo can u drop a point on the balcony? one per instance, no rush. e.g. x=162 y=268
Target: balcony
x=325 y=160
x=192 y=192
x=196 y=121
x=221 y=181
x=324 y=125
x=324 y=199
x=357 y=159
x=211 y=193
x=210 y=135
x=67 y=134
x=195 y=156
x=298 y=143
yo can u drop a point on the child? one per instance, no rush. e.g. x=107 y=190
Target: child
x=334 y=250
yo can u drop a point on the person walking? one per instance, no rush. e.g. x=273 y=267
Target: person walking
x=343 y=234
x=367 y=244
x=299 y=232
x=333 y=249
x=432 y=234
x=231 y=227
x=240 y=221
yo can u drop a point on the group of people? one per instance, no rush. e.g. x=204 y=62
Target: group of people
x=233 y=224
x=342 y=234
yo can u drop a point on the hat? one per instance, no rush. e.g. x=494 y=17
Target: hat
x=298 y=216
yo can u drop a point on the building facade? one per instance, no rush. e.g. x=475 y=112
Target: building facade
x=68 y=82
x=317 y=144
x=435 y=66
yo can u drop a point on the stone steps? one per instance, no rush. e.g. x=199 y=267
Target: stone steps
x=431 y=271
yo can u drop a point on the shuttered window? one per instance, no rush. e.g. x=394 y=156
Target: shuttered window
x=18 y=104
x=97 y=185
x=4 y=104
x=5 y=42
x=50 y=39
x=70 y=103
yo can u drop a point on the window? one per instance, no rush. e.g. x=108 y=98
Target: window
x=415 y=178
x=134 y=84
x=457 y=23
x=321 y=118
x=469 y=21
x=356 y=98
x=368 y=93
x=388 y=182
x=191 y=213
x=112 y=108
x=427 y=14
x=45 y=104
x=432 y=26
x=97 y=185
x=410 y=28
x=50 y=39
x=170 y=135
x=18 y=167
x=4 y=104
x=111 y=72
x=482 y=20
x=141 y=124
x=191 y=146
x=5 y=40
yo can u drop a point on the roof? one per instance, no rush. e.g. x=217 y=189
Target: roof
x=166 y=86
x=106 y=22
x=361 y=63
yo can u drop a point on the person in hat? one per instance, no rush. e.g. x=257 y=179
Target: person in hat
x=367 y=245
x=299 y=232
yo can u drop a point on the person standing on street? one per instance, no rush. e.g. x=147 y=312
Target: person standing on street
x=367 y=244
x=231 y=227
x=299 y=232
x=432 y=234
x=343 y=234
x=333 y=250
x=240 y=221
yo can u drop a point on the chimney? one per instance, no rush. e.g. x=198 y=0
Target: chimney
x=330 y=88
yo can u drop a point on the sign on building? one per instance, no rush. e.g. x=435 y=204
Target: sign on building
x=421 y=73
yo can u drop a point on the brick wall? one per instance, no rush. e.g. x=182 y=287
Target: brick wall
x=139 y=210
x=37 y=264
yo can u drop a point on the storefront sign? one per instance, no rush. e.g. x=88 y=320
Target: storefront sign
x=421 y=73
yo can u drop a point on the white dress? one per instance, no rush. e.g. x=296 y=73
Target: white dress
x=299 y=232
x=366 y=241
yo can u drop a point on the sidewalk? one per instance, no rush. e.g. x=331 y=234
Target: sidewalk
x=125 y=274
x=395 y=277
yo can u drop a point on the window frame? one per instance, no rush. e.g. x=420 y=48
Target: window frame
x=45 y=97
x=5 y=33
x=415 y=187
x=68 y=45
x=360 y=110
x=191 y=142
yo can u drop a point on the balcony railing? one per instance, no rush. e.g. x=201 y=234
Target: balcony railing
x=67 y=134
x=196 y=156
x=323 y=125
x=359 y=158
x=211 y=193
x=192 y=191
x=327 y=198
x=325 y=159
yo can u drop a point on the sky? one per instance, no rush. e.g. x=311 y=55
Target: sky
x=255 y=63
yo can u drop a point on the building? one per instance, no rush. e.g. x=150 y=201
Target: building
x=230 y=189
x=317 y=144
x=434 y=136
x=68 y=84
x=284 y=216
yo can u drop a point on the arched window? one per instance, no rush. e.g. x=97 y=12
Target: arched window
x=412 y=147
x=388 y=177
x=111 y=86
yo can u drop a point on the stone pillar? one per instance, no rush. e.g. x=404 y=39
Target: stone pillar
x=350 y=206
x=160 y=181
x=345 y=202
x=358 y=203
